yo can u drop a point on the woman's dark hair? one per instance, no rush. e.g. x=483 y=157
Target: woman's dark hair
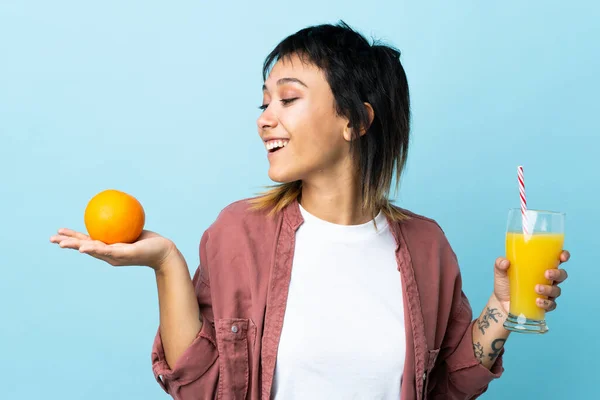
x=358 y=72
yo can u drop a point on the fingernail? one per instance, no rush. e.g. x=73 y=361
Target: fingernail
x=504 y=263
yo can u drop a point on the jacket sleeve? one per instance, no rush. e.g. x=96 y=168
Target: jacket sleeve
x=196 y=373
x=467 y=378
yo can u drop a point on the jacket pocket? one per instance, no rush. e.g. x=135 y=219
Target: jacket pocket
x=432 y=356
x=233 y=338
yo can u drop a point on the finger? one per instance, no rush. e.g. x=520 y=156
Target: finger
x=547 y=290
x=97 y=251
x=73 y=234
x=70 y=243
x=95 y=248
x=58 y=238
x=556 y=275
x=565 y=256
x=119 y=252
x=112 y=254
x=546 y=304
x=501 y=264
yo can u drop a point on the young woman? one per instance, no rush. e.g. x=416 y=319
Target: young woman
x=321 y=288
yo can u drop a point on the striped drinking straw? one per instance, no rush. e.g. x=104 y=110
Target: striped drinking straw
x=523 y=200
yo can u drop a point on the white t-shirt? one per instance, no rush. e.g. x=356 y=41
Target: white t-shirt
x=343 y=332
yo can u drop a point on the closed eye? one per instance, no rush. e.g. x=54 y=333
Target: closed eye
x=285 y=102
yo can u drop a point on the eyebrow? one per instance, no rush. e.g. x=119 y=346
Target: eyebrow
x=287 y=80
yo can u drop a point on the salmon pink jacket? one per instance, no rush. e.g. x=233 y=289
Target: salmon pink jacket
x=242 y=286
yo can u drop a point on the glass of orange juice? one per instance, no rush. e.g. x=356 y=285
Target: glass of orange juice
x=530 y=255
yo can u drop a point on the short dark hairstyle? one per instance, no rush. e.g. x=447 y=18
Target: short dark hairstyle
x=357 y=72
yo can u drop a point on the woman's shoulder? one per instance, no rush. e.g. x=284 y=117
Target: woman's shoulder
x=417 y=224
x=243 y=215
x=428 y=245
x=423 y=232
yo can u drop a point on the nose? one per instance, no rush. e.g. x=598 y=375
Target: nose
x=266 y=120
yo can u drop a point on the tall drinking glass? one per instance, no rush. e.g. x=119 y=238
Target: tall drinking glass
x=530 y=255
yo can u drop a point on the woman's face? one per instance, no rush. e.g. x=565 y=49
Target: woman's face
x=304 y=137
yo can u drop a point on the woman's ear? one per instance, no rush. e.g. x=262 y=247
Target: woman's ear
x=370 y=116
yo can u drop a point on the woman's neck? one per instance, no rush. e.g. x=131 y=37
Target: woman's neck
x=338 y=202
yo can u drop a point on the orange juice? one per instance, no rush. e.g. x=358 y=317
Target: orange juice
x=529 y=260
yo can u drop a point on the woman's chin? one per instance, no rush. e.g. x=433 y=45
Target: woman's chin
x=280 y=176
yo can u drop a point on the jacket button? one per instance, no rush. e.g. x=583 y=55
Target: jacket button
x=424 y=375
x=234 y=329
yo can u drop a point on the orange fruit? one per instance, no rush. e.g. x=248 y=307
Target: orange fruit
x=112 y=216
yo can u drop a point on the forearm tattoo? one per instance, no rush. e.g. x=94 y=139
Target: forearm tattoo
x=483 y=323
x=478 y=348
x=496 y=347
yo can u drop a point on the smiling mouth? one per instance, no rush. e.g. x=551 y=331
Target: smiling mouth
x=273 y=146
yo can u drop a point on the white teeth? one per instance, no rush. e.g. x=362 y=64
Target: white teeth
x=273 y=144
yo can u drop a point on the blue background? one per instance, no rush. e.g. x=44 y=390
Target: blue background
x=159 y=99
